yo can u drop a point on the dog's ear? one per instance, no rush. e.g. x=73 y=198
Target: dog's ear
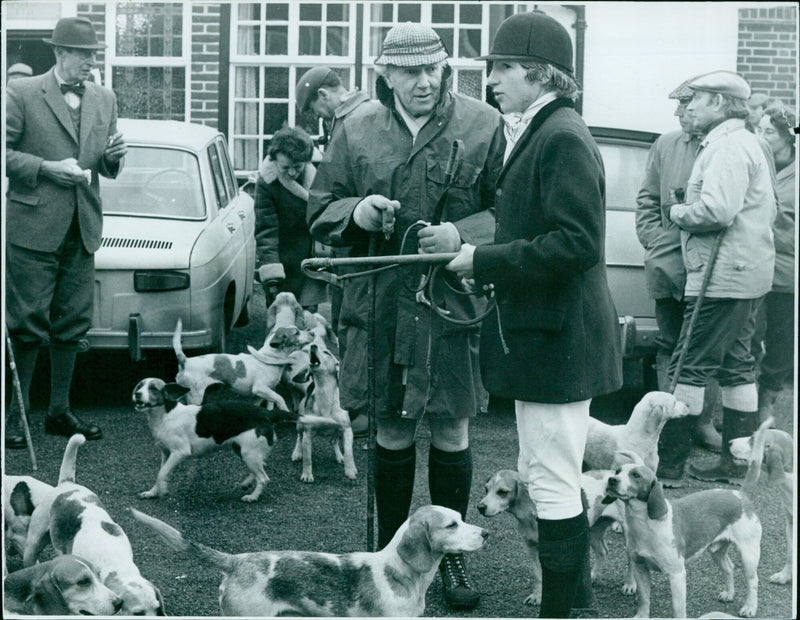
x=300 y=317
x=415 y=546
x=160 y=610
x=623 y=457
x=774 y=462
x=271 y=317
x=45 y=597
x=656 y=502
x=173 y=392
x=278 y=339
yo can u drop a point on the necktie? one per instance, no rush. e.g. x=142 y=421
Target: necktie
x=77 y=88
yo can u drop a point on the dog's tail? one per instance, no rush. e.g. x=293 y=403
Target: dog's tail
x=173 y=538
x=67 y=471
x=319 y=423
x=756 y=457
x=176 y=345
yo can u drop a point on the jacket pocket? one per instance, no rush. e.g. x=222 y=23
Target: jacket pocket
x=28 y=199
x=696 y=253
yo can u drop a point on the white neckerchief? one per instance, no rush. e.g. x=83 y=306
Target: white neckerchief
x=414 y=124
x=515 y=123
x=72 y=99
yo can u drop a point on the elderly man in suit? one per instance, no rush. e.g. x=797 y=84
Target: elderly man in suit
x=61 y=133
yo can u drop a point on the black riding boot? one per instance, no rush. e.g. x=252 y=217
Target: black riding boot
x=563 y=546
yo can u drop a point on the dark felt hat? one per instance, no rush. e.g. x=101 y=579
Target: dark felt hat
x=532 y=37
x=308 y=85
x=75 y=32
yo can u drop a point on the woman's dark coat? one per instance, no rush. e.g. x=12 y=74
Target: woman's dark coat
x=547 y=264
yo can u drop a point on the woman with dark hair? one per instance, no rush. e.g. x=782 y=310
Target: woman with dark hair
x=282 y=237
x=776 y=127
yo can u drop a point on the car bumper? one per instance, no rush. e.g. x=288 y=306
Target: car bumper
x=136 y=338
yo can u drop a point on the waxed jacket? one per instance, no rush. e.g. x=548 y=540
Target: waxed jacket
x=669 y=165
x=373 y=152
x=555 y=335
x=783 y=230
x=730 y=189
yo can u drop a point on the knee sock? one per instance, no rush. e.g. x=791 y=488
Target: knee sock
x=394 y=484
x=62 y=365
x=25 y=361
x=450 y=478
x=563 y=545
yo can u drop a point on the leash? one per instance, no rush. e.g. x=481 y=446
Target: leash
x=712 y=259
x=18 y=391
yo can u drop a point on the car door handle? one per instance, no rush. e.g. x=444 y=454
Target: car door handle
x=231 y=227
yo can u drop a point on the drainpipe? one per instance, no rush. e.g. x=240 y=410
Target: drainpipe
x=580 y=47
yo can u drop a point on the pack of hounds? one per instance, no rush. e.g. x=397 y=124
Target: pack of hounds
x=94 y=572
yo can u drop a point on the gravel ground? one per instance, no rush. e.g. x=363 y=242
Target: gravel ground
x=329 y=515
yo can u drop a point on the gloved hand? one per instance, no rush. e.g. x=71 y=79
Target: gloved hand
x=440 y=238
x=270 y=276
x=376 y=213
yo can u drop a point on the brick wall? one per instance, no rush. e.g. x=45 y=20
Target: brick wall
x=768 y=51
x=205 y=64
x=96 y=13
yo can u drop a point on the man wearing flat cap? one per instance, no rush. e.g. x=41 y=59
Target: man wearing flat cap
x=553 y=343
x=376 y=190
x=61 y=133
x=669 y=165
x=729 y=193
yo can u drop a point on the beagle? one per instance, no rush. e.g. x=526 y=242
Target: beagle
x=74 y=520
x=21 y=495
x=64 y=586
x=184 y=431
x=390 y=582
x=779 y=460
x=639 y=435
x=506 y=492
x=322 y=401
x=255 y=374
x=666 y=535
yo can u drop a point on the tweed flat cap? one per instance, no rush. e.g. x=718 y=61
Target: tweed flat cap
x=682 y=92
x=411 y=45
x=722 y=82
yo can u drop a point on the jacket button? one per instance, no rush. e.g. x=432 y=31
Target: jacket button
x=739 y=267
x=404 y=413
x=499 y=192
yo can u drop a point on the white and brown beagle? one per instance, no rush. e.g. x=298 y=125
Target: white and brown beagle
x=390 y=582
x=321 y=401
x=185 y=431
x=64 y=586
x=640 y=434
x=667 y=535
x=21 y=496
x=75 y=522
x=505 y=492
x=779 y=450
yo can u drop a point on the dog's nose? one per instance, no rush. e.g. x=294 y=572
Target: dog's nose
x=612 y=482
x=484 y=534
x=482 y=508
x=118 y=605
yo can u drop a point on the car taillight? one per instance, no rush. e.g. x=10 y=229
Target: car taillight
x=149 y=281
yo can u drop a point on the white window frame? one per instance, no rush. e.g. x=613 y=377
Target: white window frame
x=183 y=61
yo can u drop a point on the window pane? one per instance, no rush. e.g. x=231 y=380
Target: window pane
x=277 y=11
x=446 y=35
x=245 y=118
x=150 y=92
x=381 y=12
x=245 y=154
x=249 y=11
x=276 y=40
x=470 y=13
x=309 y=43
x=376 y=35
x=276 y=82
x=311 y=12
x=469 y=43
x=469 y=83
x=408 y=13
x=338 y=43
x=246 y=82
x=216 y=172
x=275 y=116
x=443 y=14
x=247 y=41
x=148 y=29
x=338 y=12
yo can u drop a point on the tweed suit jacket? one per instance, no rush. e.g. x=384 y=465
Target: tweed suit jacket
x=555 y=337
x=39 y=128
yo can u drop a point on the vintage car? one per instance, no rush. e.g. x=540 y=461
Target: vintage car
x=625 y=156
x=177 y=242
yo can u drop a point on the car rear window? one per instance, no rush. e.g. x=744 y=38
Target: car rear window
x=155 y=182
x=625 y=166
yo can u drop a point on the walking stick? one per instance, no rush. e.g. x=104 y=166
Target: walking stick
x=712 y=258
x=373 y=399
x=18 y=391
